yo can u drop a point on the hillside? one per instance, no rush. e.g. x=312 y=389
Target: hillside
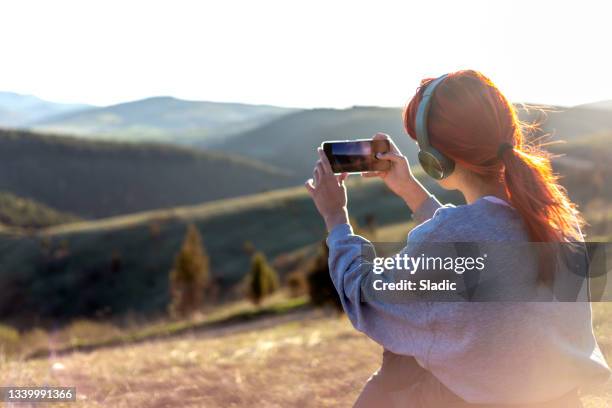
x=23 y=213
x=572 y=123
x=18 y=110
x=290 y=141
x=121 y=264
x=164 y=119
x=607 y=105
x=99 y=179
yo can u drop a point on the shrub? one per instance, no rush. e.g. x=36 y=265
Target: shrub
x=9 y=340
x=263 y=280
x=190 y=275
x=320 y=286
x=297 y=284
x=371 y=225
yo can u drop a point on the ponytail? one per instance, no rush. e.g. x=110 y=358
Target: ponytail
x=542 y=203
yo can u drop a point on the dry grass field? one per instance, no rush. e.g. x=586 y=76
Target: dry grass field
x=310 y=361
x=300 y=358
x=303 y=359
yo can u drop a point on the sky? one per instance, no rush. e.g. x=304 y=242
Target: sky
x=312 y=53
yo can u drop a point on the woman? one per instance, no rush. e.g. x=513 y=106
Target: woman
x=453 y=354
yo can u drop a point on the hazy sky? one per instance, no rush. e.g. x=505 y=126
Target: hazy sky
x=303 y=54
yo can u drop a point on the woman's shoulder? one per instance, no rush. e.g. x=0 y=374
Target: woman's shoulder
x=446 y=224
x=480 y=221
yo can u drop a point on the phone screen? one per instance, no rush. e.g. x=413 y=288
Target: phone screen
x=356 y=156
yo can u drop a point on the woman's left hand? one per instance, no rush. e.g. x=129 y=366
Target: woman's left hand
x=328 y=192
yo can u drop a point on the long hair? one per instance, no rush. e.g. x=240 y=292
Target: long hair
x=469 y=119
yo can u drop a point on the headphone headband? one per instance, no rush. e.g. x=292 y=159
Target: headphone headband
x=423 y=112
x=434 y=162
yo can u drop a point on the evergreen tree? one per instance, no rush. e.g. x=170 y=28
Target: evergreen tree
x=189 y=277
x=263 y=280
x=320 y=286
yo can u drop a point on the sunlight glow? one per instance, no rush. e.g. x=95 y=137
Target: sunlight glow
x=306 y=54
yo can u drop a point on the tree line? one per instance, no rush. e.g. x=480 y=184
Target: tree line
x=191 y=283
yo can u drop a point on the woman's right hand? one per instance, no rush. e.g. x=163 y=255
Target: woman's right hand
x=399 y=177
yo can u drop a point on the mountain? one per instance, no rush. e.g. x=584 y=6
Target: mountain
x=585 y=166
x=290 y=141
x=18 y=110
x=24 y=213
x=120 y=264
x=572 y=123
x=95 y=179
x=607 y=105
x=98 y=179
x=163 y=119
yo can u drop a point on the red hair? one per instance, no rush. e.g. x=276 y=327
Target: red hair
x=469 y=119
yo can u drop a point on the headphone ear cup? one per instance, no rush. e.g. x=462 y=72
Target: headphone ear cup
x=435 y=164
x=448 y=164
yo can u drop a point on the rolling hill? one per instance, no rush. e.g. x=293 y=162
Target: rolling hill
x=17 y=110
x=120 y=264
x=290 y=141
x=599 y=105
x=24 y=213
x=284 y=149
x=580 y=121
x=99 y=179
x=164 y=119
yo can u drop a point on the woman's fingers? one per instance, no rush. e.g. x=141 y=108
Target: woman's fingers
x=325 y=162
x=381 y=136
x=316 y=175
x=371 y=174
x=390 y=156
x=321 y=167
x=321 y=171
x=384 y=136
x=309 y=184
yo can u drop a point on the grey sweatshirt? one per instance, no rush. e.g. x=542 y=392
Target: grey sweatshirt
x=485 y=352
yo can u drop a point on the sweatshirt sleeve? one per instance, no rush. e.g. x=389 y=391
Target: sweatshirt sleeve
x=399 y=327
x=350 y=259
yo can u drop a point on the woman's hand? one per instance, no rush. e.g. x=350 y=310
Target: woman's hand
x=328 y=192
x=399 y=177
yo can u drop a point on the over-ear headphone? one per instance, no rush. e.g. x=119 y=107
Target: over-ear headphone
x=434 y=162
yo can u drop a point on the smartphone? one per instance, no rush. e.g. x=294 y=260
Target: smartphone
x=356 y=156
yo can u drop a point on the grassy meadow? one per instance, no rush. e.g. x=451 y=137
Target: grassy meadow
x=306 y=359
x=281 y=354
